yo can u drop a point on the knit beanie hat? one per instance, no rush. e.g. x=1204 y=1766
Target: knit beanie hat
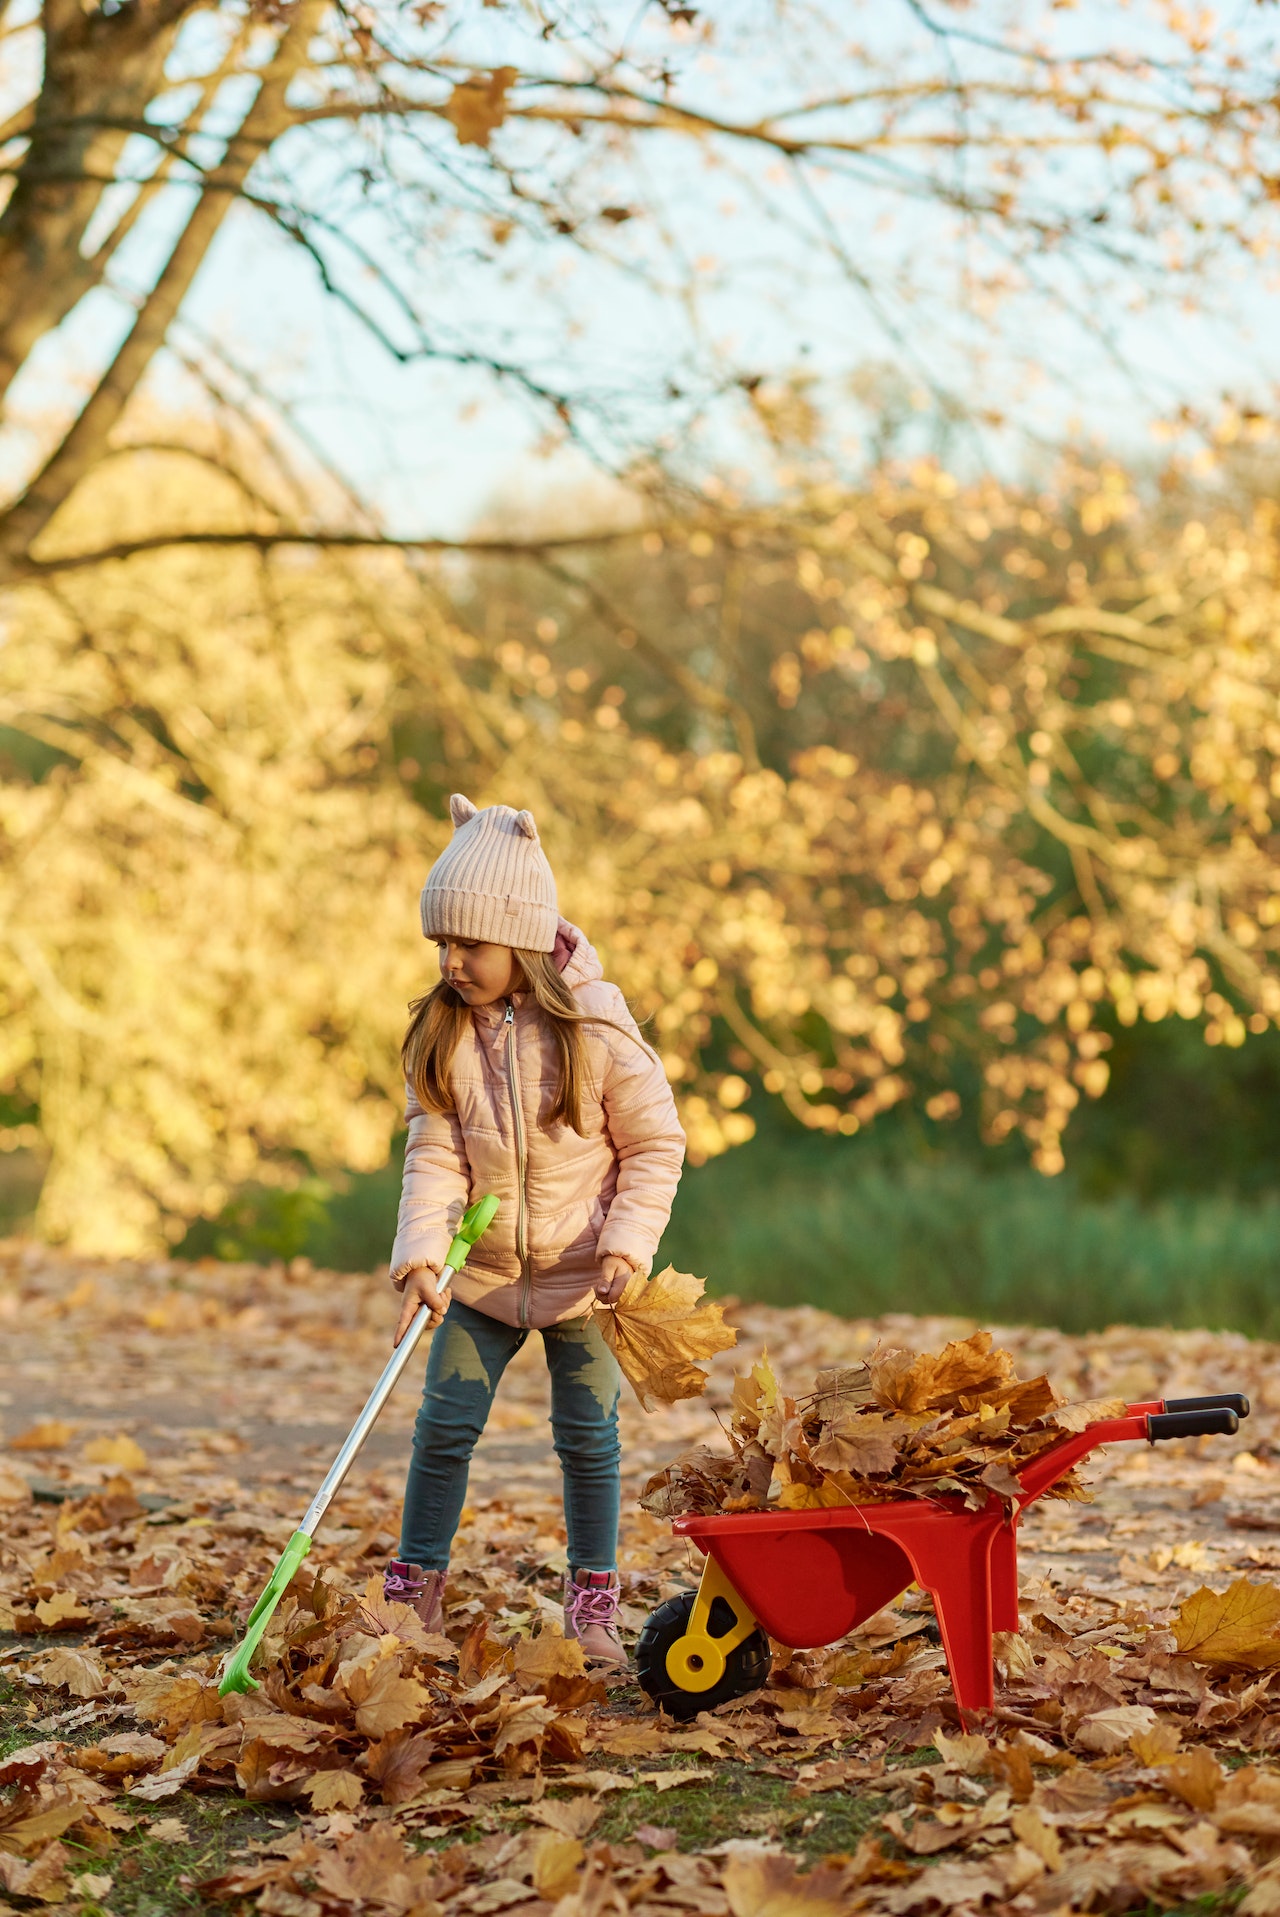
x=492 y=882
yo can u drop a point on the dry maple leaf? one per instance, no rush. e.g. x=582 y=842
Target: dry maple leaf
x=557 y=1860
x=659 y=1329
x=73 y=1671
x=768 y=1885
x=864 y=1445
x=1240 y=1627
x=334 y=1790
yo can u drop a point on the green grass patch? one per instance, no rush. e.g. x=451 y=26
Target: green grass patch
x=813 y=1221
x=743 y=1800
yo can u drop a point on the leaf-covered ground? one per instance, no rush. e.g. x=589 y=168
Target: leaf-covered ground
x=164 y=1427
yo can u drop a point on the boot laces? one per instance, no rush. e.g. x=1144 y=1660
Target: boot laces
x=590 y=1604
x=396 y=1585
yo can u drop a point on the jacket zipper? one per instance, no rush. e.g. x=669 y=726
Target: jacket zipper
x=522 y=1166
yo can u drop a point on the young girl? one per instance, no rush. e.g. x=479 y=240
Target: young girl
x=527 y=1077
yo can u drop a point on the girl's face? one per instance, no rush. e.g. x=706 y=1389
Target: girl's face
x=479 y=973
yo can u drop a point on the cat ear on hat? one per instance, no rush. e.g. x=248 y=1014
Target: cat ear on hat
x=461 y=808
x=525 y=823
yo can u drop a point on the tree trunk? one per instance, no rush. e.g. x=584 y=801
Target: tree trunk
x=101 y=72
x=87 y=440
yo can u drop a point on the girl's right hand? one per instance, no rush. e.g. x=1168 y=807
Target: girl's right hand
x=421 y=1287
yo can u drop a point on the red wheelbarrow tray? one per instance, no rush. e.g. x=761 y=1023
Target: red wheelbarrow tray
x=810 y=1577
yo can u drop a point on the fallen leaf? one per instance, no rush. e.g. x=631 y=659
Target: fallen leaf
x=907 y=1381
x=14 y=1488
x=573 y=1819
x=48 y=1434
x=385 y=1701
x=536 y=1660
x=657 y=1331
x=375 y=1867
x=94 y=1883
x=64 y=1607
x=671 y=1780
x=557 y=1859
x=26 y=1825
x=123 y=1755
x=1157 y=1745
x=969 y=1754
x=334 y=1790
x=656 y=1836
x=44 y=1878
x=797 y=1496
x=121 y=1451
x=167 y=1830
x=1262 y=1898
x=1030 y=1829
x=769 y=1885
x=1078 y=1417
x=1196 y=1777
x=395 y=1765
x=75 y=1672
x=166 y=1783
x=1110 y=1730
x=1239 y=1627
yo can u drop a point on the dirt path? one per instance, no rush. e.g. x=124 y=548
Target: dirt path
x=245 y=1376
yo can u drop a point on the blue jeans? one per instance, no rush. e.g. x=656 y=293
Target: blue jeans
x=469 y=1354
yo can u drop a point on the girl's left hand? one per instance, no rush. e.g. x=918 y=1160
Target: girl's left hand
x=615 y=1274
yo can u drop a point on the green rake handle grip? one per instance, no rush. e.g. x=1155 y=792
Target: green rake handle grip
x=475 y=1220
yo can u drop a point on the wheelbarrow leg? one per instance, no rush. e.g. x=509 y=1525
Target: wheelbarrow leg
x=953 y=1563
x=1004 y=1578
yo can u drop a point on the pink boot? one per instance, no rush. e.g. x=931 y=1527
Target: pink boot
x=591 y=1600
x=409 y=1584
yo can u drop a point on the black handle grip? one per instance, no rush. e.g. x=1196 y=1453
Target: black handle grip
x=1218 y=1422
x=1224 y=1401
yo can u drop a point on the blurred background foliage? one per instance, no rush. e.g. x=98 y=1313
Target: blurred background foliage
x=928 y=822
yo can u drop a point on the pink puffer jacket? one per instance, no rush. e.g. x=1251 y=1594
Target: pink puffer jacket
x=566 y=1202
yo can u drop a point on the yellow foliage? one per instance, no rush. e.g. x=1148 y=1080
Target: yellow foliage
x=208 y=882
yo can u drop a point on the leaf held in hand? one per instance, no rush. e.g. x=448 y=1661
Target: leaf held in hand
x=659 y=1330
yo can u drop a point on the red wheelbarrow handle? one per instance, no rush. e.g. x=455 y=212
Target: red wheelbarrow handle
x=1219 y=1401
x=1151 y=1426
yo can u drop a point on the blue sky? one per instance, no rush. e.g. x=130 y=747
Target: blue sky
x=732 y=264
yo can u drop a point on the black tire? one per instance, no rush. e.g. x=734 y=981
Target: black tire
x=748 y=1663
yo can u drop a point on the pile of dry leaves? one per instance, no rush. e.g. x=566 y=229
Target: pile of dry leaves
x=1131 y=1758
x=903 y=1424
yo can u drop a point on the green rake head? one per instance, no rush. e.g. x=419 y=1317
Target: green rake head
x=236 y=1676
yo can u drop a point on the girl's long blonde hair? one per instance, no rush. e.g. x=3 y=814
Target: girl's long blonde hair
x=439 y=1018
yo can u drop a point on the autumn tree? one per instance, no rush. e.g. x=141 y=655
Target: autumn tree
x=414 y=154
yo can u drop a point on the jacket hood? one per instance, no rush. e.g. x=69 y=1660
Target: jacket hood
x=582 y=964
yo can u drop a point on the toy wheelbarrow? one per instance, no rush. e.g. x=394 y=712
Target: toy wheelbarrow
x=807 y=1578
x=236 y=1676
